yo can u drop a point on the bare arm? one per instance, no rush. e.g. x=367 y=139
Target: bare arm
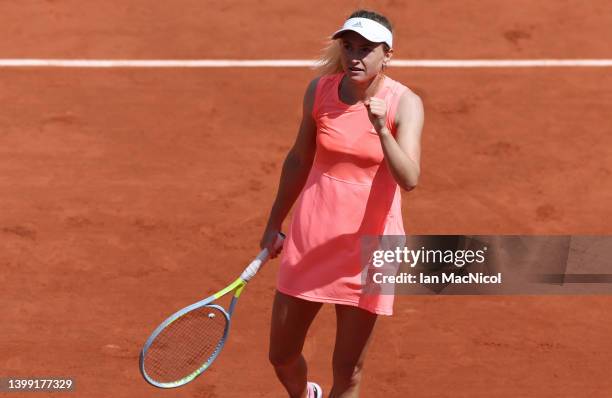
x=295 y=170
x=403 y=152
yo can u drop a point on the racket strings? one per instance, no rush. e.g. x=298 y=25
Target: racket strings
x=185 y=345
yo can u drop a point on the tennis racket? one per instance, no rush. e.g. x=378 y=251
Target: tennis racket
x=184 y=345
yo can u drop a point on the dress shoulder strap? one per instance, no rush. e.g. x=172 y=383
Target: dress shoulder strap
x=392 y=98
x=325 y=87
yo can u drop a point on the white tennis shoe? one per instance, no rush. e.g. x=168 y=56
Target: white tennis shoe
x=314 y=390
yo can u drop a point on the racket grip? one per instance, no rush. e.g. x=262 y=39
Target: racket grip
x=261 y=258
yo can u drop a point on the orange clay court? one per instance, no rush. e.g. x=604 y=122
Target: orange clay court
x=126 y=194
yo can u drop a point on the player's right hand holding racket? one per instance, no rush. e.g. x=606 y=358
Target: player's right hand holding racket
x=184 y=345
x=269 y=240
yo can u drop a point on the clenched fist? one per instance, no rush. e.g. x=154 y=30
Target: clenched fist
x=377 y=112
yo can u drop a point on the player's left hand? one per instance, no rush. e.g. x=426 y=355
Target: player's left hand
x=377 y=112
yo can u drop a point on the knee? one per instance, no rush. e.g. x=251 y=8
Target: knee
x=347 y=375
x=280 y=359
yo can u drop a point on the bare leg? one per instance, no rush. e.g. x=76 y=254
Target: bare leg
x=353 y=334
x=291 y=318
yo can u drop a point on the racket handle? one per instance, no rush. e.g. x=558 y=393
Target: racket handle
x=261 y=258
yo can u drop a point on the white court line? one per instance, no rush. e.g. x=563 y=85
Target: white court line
x=295 y=63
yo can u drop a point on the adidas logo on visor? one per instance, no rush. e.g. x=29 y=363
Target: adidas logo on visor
x=357 y=25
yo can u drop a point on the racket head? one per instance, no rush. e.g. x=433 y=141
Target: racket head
x=183 y=346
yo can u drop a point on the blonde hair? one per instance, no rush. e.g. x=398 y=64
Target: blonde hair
x=329 y=62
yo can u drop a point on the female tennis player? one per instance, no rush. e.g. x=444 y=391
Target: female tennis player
x=358 y=143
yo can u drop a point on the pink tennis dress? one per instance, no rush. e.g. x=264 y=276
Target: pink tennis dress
x=349 y=193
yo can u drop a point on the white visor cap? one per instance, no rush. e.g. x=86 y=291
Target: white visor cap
x=369 y=29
